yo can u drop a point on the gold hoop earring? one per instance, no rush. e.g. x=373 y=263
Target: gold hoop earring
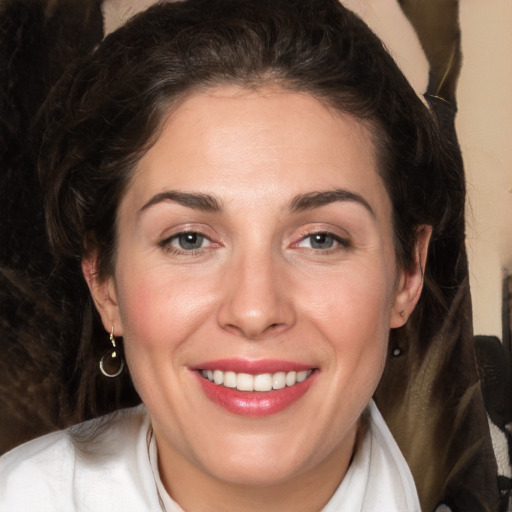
x=112 y=362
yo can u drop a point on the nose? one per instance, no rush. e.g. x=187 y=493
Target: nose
x=257 y=300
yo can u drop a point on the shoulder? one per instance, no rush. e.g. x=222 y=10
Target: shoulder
x=59 y=470
x=29 y=471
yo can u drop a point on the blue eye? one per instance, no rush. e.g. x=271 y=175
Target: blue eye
x=186 y=241
x=189 y=241
x=323 y=242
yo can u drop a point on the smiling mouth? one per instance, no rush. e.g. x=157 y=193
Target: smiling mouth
x=261 y=382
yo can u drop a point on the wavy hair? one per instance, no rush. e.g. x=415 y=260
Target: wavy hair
x=108 y=113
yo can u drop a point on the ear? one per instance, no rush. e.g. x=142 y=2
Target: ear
x=410 y=282
x=104 y=294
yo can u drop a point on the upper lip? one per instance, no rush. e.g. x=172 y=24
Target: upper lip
x=253 y=367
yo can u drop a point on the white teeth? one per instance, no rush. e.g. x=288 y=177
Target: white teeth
x=279 y=380
x=218 y=377
x=303 y=375
x=260 y=382
x=229 y=379
x=245 y=382
x=291 y=378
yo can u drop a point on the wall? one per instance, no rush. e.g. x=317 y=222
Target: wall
x=484 y=126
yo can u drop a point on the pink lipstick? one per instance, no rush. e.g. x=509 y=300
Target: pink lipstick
x=255 y=388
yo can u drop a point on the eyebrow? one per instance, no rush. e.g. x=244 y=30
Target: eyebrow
x=314 y=200
x=197 y=201
x=299 y=203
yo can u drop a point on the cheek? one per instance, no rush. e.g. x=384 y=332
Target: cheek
x=157 y=311
x=351 y=299
x=352 y=310
x=160 y=314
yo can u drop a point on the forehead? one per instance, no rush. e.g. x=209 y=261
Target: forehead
x=270 y=140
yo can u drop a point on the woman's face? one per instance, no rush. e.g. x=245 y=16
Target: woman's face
x=255 y=251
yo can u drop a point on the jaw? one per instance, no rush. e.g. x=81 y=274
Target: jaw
x=249 y=476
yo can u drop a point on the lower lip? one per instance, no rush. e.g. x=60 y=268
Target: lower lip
x=255 y=403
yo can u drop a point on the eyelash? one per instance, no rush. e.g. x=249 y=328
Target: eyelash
x=342 y=243
x=166 y=244
x=339 y=243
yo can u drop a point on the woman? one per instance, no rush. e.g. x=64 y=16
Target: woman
x=249 y=188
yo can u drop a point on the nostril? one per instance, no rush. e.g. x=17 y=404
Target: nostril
x=275 y=327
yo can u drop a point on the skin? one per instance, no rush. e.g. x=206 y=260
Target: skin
x=257 y=288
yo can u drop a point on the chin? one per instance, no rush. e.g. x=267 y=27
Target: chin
x=258 y=473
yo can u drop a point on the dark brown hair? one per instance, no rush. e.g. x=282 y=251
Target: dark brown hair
x=109 y=112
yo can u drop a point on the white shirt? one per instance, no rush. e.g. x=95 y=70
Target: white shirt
x=110 y=464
